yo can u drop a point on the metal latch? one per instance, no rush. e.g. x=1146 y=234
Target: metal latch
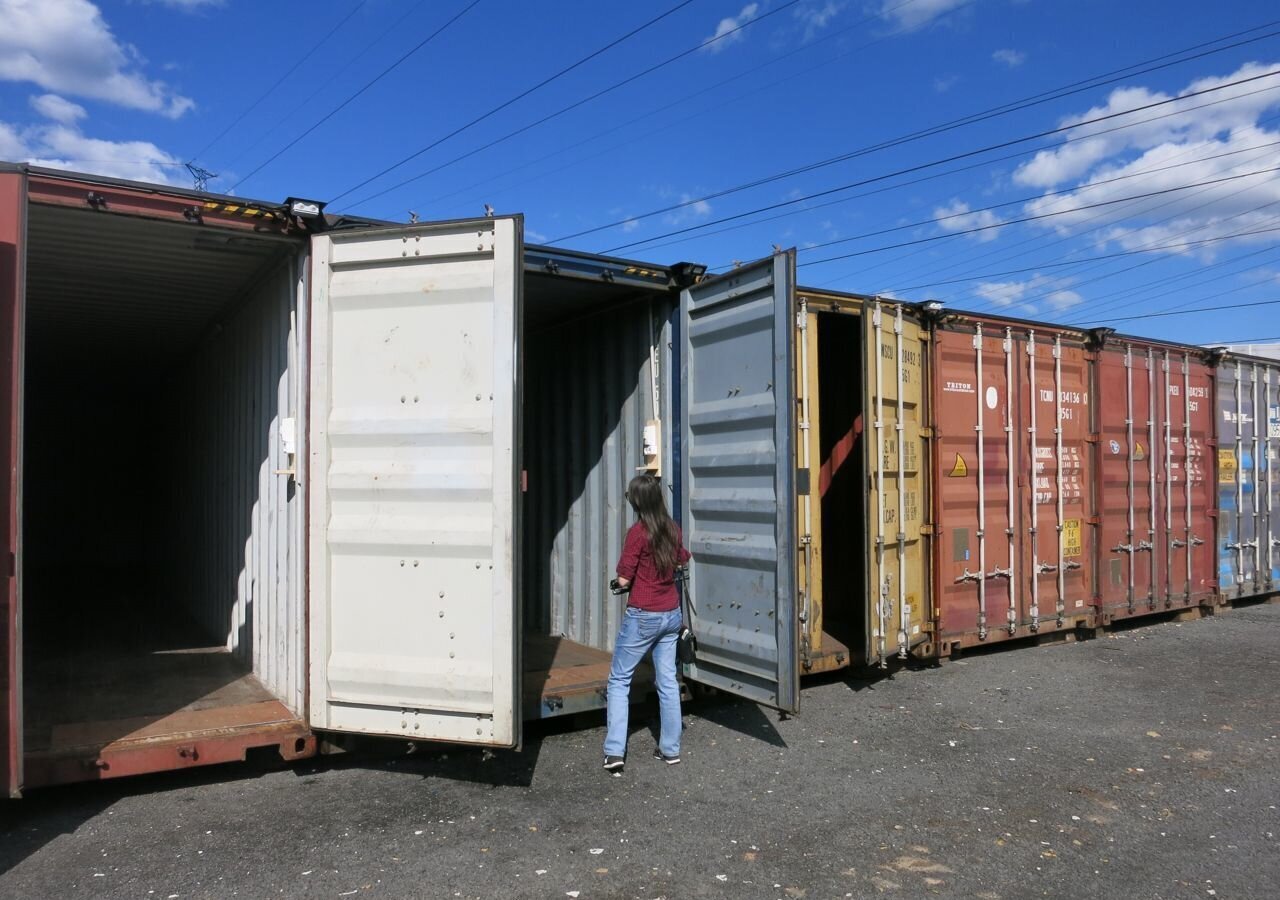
x=289 y=445
x=1000 y=573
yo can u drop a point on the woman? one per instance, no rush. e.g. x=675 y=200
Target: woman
x=651 y=553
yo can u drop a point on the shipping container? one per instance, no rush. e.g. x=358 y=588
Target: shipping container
x=1248 y=419
x=275 y=473
x=1012 y=470
x=1153 y=407
x=864 y=554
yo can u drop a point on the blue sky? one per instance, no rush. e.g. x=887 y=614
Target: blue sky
x=1173 y=207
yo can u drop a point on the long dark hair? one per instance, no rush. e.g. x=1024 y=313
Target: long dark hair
x=645 y=495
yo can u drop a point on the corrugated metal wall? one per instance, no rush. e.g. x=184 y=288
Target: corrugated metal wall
x=588 y=395
x=234 y=549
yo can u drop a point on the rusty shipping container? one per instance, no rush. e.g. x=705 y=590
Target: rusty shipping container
x=363 y=416
x=1012 y=468
x=1155 y=496
x=1248 y=419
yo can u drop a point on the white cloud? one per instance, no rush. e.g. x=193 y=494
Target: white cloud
x=916 y=14
x=188 y=5
x=1011 y=58
x=1177 y=220
x=66 y=147
x=697 y=209
x=1061 y=300
x=725 y=34
x=944 y=83
x=1240 y=108
x=51 y=106
x=816 y=16
x=66 y=46
x=630 y=224
x=1026 y=294
x=955 y=216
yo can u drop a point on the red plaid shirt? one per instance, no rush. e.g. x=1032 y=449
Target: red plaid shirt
x=650 y=590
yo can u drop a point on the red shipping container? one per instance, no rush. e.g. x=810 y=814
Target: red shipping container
x=1154 y=414
x=1012 y=469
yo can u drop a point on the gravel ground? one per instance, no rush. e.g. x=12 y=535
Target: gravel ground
x=1143 y=764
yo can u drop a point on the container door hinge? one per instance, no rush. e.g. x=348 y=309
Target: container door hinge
x=1093 y=438
x=926 y=432
x=1094 y=520
x=928 y=528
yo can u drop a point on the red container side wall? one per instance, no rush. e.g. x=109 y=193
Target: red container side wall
x=1156 y=501
x=972 y=477
x=1058 y=565
x=1013 y=473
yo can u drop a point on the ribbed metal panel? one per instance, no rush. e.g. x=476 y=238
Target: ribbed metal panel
x=588 y=396
x=235 y=544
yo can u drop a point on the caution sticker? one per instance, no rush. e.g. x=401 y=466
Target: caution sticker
x=960 y=469
x=1138 y=452
x=1227 y=467
x=1071 y=540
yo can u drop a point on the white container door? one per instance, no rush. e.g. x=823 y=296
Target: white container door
x=738 y=480
x=414 y=411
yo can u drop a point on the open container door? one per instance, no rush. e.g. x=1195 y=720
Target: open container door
x=738 y=485
x=13 y=215
x=414 y=413
x=898 y=570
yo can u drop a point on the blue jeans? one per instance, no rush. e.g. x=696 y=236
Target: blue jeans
x=641 y=632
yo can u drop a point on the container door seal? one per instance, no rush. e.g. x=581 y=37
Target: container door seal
x=13 y=209
x=898 y=591
x=413 y=513
x=738 y=472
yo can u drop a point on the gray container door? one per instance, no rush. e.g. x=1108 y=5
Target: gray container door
x=738 y=472
x=413 y=513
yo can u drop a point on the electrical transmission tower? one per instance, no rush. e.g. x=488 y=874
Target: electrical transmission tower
x=200 y=177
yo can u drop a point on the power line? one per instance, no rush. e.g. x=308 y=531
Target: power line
x=1188 y=312
x=929 y=165
x=1003 y=252
x=501 y=106
x=368 y=84
x=1119 y=254
x=546 y=118
x=319 y=89
x=666 y=107
x=1244 y=340
x=935 y=176
x=1128 y=294
x=1037 y=217
x=1179 y=235
x=1072 y=190
x=1014 y=106
x=279 y=81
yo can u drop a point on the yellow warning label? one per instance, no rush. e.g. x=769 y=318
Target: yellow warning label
x=1227 y=467
x=1071 y=542
x=1138 y=452
x=959 y=470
